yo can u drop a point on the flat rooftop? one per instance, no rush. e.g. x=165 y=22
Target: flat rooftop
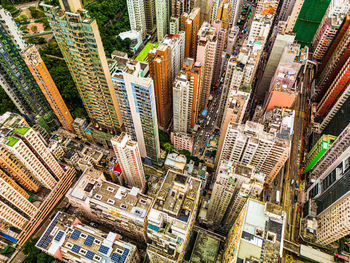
x=205 y=249
x=177 y=195
x=66 y=237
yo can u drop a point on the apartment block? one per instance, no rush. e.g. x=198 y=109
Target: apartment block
x=283 y=89
x=182 y=141
x=249 y=144
x=150 y=15
x=334 y=60
x=129 y=159
x=260 y=27
x=221 y=41
x=292 y=19
x=172 y=217
x=178 y=7
x=190 y=25
x=79 y=40
x=193 y=71
x=230 y=178
x=281 y=42
x=17 y=80
x=123 y=209
x=164 y=64
x=236 y=8
x=264 y=223
x=180 y=106
x=68 y=239
x=317 y=151
x=234 y=111
x=137 y=103
x=30 y=151
x=174 y=25
x=328 y=28
x=137 y=17
x=206 y=52
x=205 y=7
x=231 y=39
x=12 y=29
x=42 y=76
x=15 y=208
x=162 y=18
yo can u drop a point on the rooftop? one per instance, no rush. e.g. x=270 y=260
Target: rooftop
x=66 y=238
x=177 y=195
x=142 y=56
x=22 y=130
x=12 y=141
x=205 y=249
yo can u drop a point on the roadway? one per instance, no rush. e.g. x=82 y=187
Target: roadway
x=209 y=125
x=291 y=195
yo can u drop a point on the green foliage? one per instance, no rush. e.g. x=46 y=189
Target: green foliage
x=191 y=157
x=10 y=7
x=33 y=254
x=36 y=40
x=34 y=29
x=112 y=18
x=36 y=13
x=163 y=138
x=168 y=147
x=62 y=78
x=6 y=103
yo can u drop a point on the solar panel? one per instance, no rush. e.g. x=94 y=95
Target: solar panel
x=89 y=240
x=103 y=249
x=90 y=254
x=59 y=235
x=75 y=248
x=115 y=257
x=75 y=235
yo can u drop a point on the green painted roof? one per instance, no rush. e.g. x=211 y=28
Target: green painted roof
x=22 y=130
x=309 y=19
x=144 y=52
x=12 y=141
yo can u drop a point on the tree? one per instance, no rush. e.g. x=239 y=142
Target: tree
x=34 y=29
x=33 y=254
x=6 y=103
x=168 y=147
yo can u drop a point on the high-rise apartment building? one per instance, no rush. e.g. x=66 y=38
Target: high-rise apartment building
x=69 y=240
x=180 y=106
x=328 y=28
x=231 y=39
x=165 y=63
x=221 y=42
x=205 y=7
x=193 y=72
x=15 y=208
x=79 y=40
x=249 y=144
x=17 y=80
x=286 y=9
x=174 y=25
x=328 y=195
x=190 y=25
x=260 y=27
x=136 y=99
x=30 y=151
x=236 y=8
x=12 y=29
x=292 y=19
x=172 y=217
x=42 y=76
x=206 y=52
x=229 y=180
x=162 y=17
x=129 y=159
x=128 y=207
x=281 y=42
x=317 y=151
x=234 y=111
x=150 y=15
x=137 y=18
x=178 y=7
x=283 y=89
x=263 y=222
x=223 y=14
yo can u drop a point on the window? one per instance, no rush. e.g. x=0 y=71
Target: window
x=97 y=258
x=110 y=189
x=97 y=242
x=143 y=201
x=82 y=235
x=110 y=201
x=69 y=245
x=98 y=197
x=123 y=206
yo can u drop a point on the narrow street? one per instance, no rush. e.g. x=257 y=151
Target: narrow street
x=291 y=196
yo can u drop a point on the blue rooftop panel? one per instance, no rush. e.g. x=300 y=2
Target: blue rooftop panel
x=89 y=255
x=75 y=235
x=103 y=249
x=89 y=240
x=75 y=248
x=59 y=235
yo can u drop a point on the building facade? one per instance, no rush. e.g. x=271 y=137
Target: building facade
x=136 y=97
x=190 y=25
x=129 y=159
x=137 y=17
x=79 y=40
x=42 y=76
